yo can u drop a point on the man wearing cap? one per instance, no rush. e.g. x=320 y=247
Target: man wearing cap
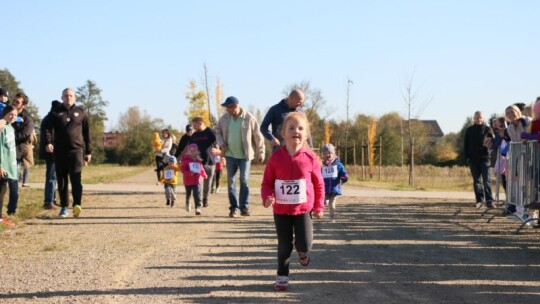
x=276 y=114
x=183 y=142
x=238 y=136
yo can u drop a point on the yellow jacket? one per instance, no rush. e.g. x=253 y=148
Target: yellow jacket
x=169 y=171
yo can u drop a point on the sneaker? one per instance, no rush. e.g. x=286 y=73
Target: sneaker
x=217 y=190
x=205 y=202
x=303 y=258
x=63 y=212
x=245 y=212
x=49 y=207
x=188 y=207
x=478 y=205
x=168 y=202
x=233 y=213
x=282 y=283
x=198 y=211
x=77 y=210
x=7 y=222
x=26 y=185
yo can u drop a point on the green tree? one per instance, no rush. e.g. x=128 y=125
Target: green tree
x=89 y=96
x=460 y=141
x=10 y=84
x=390 y=132
x=137 y=128
x=198 y=107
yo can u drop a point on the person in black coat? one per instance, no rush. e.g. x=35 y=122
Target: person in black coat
x=477 y=140
x=50 y=171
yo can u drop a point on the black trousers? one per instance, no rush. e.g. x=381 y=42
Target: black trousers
x=69 y=166
x=289 y=228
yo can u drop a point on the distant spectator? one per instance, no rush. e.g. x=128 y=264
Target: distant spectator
x=50 y=171
x=477 y=139
x=276 y=113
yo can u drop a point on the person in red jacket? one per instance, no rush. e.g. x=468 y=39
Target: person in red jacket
x=192 y=170
x=294 y=186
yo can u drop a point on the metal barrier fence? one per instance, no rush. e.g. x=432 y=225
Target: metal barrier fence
x=522 y=178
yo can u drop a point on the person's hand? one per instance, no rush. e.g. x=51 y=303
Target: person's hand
x=87 y=159
x=268 y=202
x=49 y=148
x=261 y=159
x=3 y=173
x=318 y=214
x=275 y=142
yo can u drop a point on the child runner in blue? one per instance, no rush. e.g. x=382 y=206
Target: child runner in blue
x=334 y=175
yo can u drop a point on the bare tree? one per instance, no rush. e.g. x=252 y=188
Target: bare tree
x=411 y=97
x=207 y=89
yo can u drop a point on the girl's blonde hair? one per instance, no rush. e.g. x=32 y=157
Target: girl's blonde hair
x=298 y=116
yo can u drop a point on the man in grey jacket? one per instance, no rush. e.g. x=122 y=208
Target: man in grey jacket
x=240 y=141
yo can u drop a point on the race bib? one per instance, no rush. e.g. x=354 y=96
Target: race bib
x=290 y=192
x=195 y=168
x=169 y=174
x=329 y=171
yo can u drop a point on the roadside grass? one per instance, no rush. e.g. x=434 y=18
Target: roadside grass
x=426 y=178
x=30 y=203
x=93 y=174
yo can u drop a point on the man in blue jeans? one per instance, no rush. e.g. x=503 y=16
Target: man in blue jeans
x=50 y=170
x=240 y=141
x=477 y=139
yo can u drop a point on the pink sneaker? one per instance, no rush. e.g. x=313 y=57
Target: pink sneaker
x=282 y=283
x=303 y=258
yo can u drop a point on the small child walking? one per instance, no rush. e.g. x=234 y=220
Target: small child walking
x=219 y=168
x=192 y=170
x=293 y=185
x=334 y=175
x=169 y=178
x=8 y=158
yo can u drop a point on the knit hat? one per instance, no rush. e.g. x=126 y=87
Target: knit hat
x=171 y=159
x=329 y=148
x=192 y=146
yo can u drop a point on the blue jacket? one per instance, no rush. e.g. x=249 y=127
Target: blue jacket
x=274 y=117
x=333 y=180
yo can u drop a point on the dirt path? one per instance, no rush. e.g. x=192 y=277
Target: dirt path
x=132 y=249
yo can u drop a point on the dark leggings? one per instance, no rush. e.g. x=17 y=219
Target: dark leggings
x=215 y=181
x=196 y=189
x=289 y=228
x=159 y=166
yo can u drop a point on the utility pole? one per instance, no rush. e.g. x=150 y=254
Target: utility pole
x=349 y=83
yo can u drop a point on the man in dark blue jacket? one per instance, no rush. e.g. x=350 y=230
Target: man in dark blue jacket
x=275 y=116
x=477 y=138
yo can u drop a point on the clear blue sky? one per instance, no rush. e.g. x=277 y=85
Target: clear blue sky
x=467 y=55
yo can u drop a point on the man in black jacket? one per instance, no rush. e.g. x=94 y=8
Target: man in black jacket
x=68 y=138
x=477 y=140
x=50 y=171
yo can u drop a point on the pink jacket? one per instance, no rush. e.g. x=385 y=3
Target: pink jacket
x=304 y=164
x=190 y=178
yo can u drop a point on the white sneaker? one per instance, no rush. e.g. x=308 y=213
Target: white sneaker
x=198 y=211
x=478 y=205
x=188 y=207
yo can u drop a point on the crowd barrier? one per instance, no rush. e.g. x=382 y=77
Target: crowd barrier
x=522 y=181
